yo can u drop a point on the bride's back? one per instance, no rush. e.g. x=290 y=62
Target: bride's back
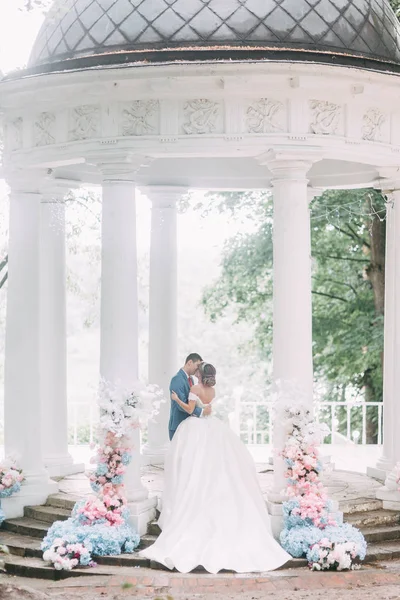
x=205 y=393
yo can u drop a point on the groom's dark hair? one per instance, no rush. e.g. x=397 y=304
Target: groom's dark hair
x=194 y=357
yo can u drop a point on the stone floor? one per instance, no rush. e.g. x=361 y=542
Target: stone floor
x=344 y=486
x=381 y=583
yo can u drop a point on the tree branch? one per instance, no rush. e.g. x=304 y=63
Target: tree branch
x=3 y=263
x=363 y=260
x=2 y=282
x=339 y=283
x=333 y=297
x=353 y=235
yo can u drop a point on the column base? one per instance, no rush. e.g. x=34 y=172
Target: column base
x=142 y=513
x=389 y=493
x=31 y=494
x=382 y=469
x=377 y=473
x=390 y=498
x=153 y=456
x=276 y=517
x=62 y=466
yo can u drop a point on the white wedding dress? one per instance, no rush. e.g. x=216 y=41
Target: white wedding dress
x=213 y=512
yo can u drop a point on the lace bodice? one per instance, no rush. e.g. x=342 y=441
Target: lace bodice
x=198 y=401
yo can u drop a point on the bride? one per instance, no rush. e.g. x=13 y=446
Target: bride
x=214 y=514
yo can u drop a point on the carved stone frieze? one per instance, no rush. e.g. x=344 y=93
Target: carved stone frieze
x=140 y=117
x=84 y=122
x=44 y=129
x=373 y=121
x=200 y=117
x=265 y=116
x=15 y=133
x=326 y=117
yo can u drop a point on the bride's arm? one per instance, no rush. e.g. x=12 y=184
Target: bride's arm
x=189 y=407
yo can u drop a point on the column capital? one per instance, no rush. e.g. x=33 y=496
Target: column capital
x=54 y=189
x=164 y=195
x=118 y=166
x=314 y=193
x=389 y=180
x=290 y=163
x=25 y=181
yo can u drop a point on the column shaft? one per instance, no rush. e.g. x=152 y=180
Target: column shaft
x=163 y=340
x=53 y=337
x=22 y=406
x=386 y=463
x=119 y=304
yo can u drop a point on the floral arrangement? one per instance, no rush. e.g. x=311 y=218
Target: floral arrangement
x=65 y=556
x=311 y=529
x=11 y=478
x=111 y=461
x=327 y=555
x=99 y=525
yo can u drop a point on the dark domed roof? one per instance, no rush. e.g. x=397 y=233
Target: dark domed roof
x=99 y=32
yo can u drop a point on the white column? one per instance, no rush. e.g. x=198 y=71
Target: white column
x=119 y=314
x=163 y=338
x=292 y=305
x=385 y=464
x=53 y=336
x=389 y=493
x=22 y=406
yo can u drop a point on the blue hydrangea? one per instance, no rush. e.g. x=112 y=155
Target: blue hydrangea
x=6 y=493
x=101 y=469
x=297 y=541
x=100 y=537
x=117 y=480
x=126 y=458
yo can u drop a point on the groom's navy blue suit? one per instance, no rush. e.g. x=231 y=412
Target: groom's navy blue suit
x=180 y=385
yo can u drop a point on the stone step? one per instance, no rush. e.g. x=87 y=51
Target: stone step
x=374 y=518
x=153 y=529
x=26 y=527
x=38 y=569
x=383 y=551
x=47 y=514
x=381 y=534
x=295 y=563
x=21 y=545
x=146 y=541
x=62 y=501
x=123 y=560
x=361 y=505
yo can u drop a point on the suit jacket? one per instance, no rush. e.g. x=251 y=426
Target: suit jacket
x=180 y=385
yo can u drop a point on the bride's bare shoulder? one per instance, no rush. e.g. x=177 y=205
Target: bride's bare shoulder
x=195 y=389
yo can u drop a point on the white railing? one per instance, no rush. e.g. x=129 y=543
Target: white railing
x=255 y=421
x=257 y=429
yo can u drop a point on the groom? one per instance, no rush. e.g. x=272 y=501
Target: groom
x=181 y=384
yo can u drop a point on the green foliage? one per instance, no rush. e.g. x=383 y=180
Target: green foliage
x=347 y=232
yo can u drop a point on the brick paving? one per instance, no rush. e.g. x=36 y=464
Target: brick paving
x=381 y=583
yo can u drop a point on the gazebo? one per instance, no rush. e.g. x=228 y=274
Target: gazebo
x=164 y=96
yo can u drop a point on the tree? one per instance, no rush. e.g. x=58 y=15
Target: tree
x=348 y=233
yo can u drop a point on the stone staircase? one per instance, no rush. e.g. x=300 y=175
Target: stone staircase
x=23 y=537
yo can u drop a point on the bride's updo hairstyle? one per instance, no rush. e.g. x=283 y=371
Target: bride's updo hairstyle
x=208 y=374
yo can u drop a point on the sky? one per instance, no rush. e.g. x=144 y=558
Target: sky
x=18 y=30
x=197 y=236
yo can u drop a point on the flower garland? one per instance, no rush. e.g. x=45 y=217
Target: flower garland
x=99 y=525
x=310 y=527
x=11 y=478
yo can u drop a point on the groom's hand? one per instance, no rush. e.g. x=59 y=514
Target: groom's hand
x=207 y=411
